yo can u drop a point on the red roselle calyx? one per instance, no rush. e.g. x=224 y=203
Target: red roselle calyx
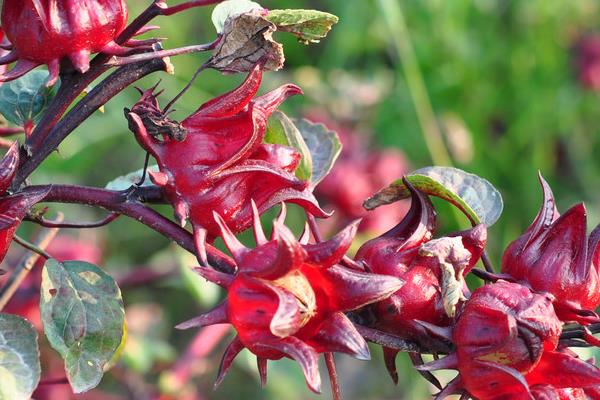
x=426 y=298
x=506 y=338
x=555 y=256
x=288 y=299
x=12 y=211
x=46 y=31
x=219 y=162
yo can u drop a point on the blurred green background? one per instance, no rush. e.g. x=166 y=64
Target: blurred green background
x=497 y=79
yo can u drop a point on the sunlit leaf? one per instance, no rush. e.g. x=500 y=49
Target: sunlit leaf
x=308 y=25
x=19 y=358
x=477 y=198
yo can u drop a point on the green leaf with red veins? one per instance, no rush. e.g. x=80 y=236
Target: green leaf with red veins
x=477 y=198
x=324 y=146
x=83 y=318
x=310 y=26
x=19 y=358
x=25 y=99
x=281 y=130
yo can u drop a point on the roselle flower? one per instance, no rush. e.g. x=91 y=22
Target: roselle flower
x=501 y=335
x=405 y=252
x=588 y=61
x=215 y=159
x=46 y=31
x=555 y=256
x=288 y=298
x=360 y=171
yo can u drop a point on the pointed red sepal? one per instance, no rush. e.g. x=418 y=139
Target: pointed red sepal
x=417 y=360
x=261 y=363
x=8 y=167
x=355 y=289
x=13 y=208
x=474 y=241
x=200 y=245
x=418 y=224
x=235 y=247
x=455 y=386
x=290 y=255
x=441 y=332
x=220 y=278
x=273 y=99
x=546 y=216
x=305 y=235
x=300 y=352
x=338 y=334
x=331 y=252
x=389 y=358
x=563 y=371
x=448 y=362
x=232 y=102
x=159 y=178
x=259 y=233
x=21 y=68
x=231 y=352
x=216 y=316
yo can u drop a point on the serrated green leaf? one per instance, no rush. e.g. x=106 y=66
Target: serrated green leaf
x=281 y=130
x=83 y=316
x=309 y=26
x=477 y=198
x=324 y=146
x=126 y=181
x=228 y=8
x=19 y=358
x=25 y=99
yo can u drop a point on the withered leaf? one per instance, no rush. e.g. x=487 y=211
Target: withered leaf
x=247 y=39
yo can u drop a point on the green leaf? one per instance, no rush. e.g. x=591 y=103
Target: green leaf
x=281 y=130
x=324 y=146
x=83 y=318
x=477 y=198
x=25 y=99
x=19 y=358
x=126 y=181
x=309 y=25
x=228 y=8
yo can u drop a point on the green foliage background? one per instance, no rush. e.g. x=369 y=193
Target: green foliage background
x=504 y=69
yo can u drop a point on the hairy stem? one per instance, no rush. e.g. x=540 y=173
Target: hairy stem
x=336 y=392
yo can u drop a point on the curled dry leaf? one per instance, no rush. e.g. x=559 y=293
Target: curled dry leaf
x=246 y=40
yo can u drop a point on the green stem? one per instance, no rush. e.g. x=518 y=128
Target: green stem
x=398 y=32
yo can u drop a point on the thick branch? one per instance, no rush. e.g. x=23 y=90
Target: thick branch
x=126 y=203
x=114 y=84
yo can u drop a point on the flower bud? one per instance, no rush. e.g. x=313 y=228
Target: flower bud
x=555 y=256
x=288 y=299
x=45 y=32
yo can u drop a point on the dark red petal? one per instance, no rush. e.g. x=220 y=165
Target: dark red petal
x=231 y=352
x=269 y=102
x=350 y=289
x=302 y=353
x=338 y=334
x=563 y=371
x=284 y=157
x=216 y=316
x=232 y=102
x=8 y=167
x=221 y=279
x=287 y=319
x=326 y=254
x=261 y=363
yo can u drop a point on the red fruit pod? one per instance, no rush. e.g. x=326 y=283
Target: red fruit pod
x=220 y=163
x=46 y=31
x=12 y=210
x=555 y=256
x=287 y=299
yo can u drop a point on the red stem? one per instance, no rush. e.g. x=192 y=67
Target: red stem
x=333 y=377
x=127 y=203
